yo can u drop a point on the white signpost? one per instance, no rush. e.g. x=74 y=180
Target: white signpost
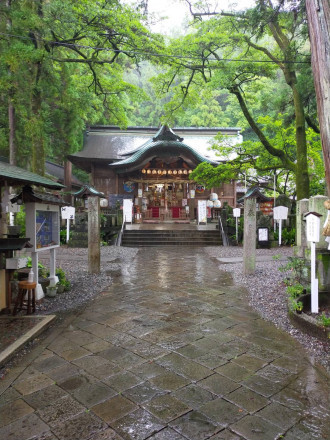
x=313 y=235
x=237 y=214
x=68 y=213
x=280 y=213
x=202 y=211
x=128 y=210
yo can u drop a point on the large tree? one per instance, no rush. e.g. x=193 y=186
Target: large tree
x=62 y=65
x=318 y=14
x=234 y=50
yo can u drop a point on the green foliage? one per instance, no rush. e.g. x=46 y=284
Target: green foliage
x=62 y=66
x=295 y=290
x=20 y=221
x=296 y=269
x=288 y=236
x=62 y=280
x=324 y=320
x=63 y=235
x=270 y=94
x=297 y=277
x=42 y=269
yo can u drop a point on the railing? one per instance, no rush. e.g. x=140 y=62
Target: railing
x=225 y=240
x=120 y=235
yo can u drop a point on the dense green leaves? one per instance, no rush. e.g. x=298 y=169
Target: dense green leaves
x=62 y=67
x=258 y=56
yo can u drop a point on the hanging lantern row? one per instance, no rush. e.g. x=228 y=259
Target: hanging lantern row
x=164 y=172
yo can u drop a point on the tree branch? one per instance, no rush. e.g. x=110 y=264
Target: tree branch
x=268 y=146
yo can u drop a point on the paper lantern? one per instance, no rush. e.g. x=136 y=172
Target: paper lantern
x=209 y=204
x=213 y=196
x=104 y=203
x=217 y=204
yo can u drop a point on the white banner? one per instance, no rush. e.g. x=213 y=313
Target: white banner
x=128 y=210
x=202 y=211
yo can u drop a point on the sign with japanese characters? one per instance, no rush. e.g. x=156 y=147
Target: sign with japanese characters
x=312 y=227
x=202 y=214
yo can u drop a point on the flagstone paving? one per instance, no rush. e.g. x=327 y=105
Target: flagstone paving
x=171 y=352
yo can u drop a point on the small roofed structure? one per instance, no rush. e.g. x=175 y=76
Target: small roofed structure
x=255 y=193
x=86 y=191
x=12 y=175
x=30 y=195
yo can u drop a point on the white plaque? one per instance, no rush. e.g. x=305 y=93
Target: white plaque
x=280 y=213
x=128 y=210
x=237 y=212
x=313 y=228
x=68 y=212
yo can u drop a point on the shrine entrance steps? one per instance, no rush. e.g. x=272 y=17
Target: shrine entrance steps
x=167 y=234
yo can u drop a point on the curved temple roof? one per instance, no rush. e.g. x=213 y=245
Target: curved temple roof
x=110 y=144
x=162 y=144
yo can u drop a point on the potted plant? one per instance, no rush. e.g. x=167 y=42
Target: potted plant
x=51 y=291
x=63 y=284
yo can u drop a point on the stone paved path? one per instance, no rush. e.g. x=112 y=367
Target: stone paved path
x=170 y=352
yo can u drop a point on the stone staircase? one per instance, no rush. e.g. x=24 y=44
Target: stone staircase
x=182 y=237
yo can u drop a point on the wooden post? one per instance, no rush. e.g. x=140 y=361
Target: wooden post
x=94 y=252
x=250 y=235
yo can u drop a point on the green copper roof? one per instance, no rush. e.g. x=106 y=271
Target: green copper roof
x=254 y=192
x=161 y=144
x=88 y=190
x=15 y=176
x=166 y=146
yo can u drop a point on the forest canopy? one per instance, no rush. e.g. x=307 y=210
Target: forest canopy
x=67 y=65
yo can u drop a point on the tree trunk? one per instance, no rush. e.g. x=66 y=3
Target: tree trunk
x=11 y=123
x=37 y=127
x=318 y=17
x=302 y=178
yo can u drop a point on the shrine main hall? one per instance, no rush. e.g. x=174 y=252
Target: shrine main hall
x=152 y=167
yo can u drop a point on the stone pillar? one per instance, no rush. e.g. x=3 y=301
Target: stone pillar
x=316 y=204
x=302 y=208
x=250 y=235
x=94 y=253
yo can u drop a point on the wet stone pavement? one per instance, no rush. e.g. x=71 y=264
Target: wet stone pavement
x=170 y=352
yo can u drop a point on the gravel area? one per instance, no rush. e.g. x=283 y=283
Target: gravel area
x=267 y=294
x=84 y=286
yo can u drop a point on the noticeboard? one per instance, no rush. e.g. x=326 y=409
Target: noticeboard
x=263 y=237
